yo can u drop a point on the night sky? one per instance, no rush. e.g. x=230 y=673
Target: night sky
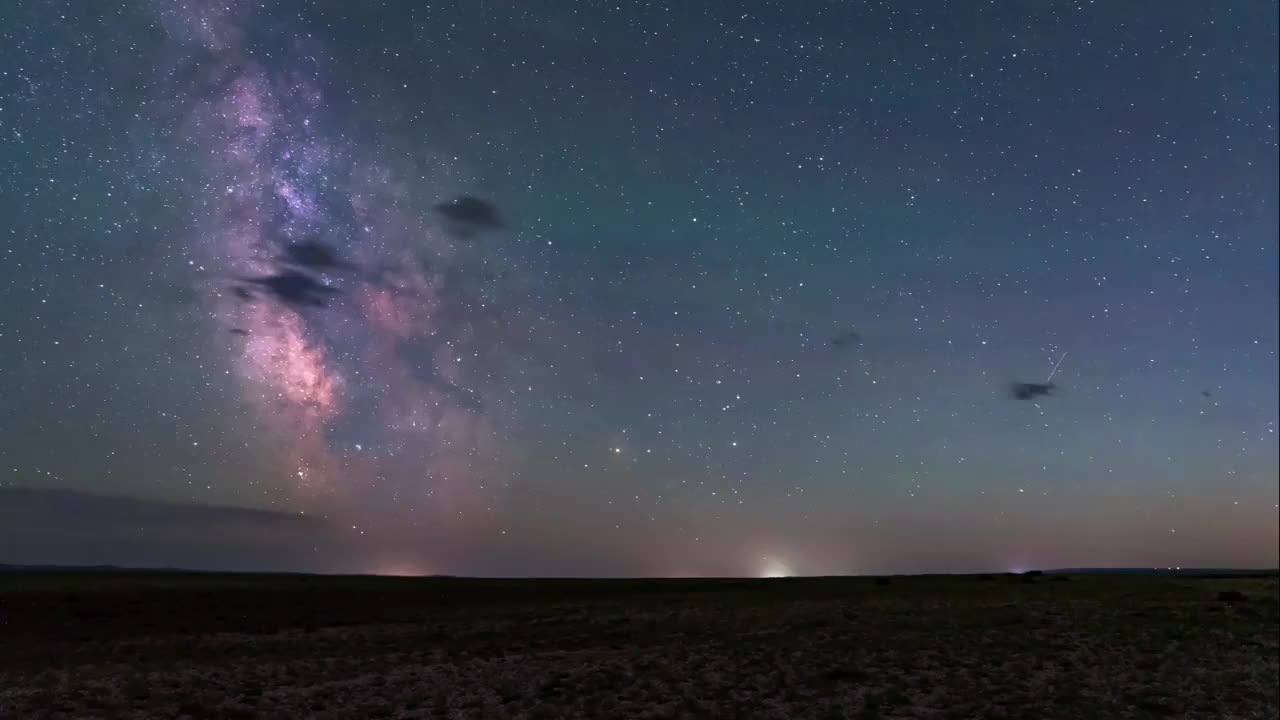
x=630 y=288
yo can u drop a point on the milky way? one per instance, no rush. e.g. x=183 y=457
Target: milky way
x=381 y=390
x=643 y=288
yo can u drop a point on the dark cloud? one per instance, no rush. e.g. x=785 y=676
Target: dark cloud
x=67 y=527
x=315 y=255
x=292 y=288
x=846 y=339
x=469 y=215
x=60 y=527
x=1027 y=391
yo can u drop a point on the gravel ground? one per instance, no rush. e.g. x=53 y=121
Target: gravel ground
x=964 y=647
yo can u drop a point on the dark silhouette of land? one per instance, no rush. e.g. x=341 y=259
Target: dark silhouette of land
x=107 y=642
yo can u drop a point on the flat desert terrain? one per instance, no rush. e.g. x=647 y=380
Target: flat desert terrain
x=169 y=645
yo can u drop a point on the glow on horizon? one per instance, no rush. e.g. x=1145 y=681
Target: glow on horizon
x=774 y=568
x=394 y=569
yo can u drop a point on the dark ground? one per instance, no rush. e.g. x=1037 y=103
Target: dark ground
x=156 y=644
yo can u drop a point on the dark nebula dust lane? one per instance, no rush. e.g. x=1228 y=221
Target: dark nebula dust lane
x=360 y=348
x=568 y=288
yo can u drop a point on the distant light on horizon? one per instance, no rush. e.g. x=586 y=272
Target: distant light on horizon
x=400 y=569
x=775 y=569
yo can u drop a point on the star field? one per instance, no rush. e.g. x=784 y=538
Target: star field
x=650 y=288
